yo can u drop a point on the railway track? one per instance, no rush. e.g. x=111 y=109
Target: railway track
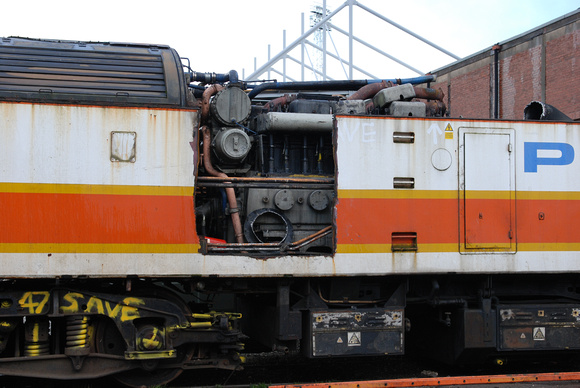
x=252 y=380
x=279 y=371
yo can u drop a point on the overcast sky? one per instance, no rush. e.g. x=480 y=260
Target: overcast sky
x=220 y=35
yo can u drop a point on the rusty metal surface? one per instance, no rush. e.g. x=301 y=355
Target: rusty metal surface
x=231 y=195
x=516 y=380
x=368 y=91
x=539 y=327
x=429 y=93
x=356 y=332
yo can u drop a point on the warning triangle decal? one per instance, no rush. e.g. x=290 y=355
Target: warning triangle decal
x=354 y=339
x=539 y=334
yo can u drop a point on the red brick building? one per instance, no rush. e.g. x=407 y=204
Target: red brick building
x=539 y=65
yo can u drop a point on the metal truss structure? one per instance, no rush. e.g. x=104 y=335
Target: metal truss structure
x=318 y=37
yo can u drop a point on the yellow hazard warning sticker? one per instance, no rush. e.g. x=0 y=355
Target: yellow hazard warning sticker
x=339 y=340
x=448 y=131
x=354 y=338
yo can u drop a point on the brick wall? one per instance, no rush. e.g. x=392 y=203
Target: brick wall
x=519 y=82
x=540 y=65
x=563 y=73
x=467 y=93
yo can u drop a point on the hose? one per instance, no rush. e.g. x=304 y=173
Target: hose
x=230 y=193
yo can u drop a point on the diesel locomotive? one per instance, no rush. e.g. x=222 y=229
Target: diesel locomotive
x=156 y=219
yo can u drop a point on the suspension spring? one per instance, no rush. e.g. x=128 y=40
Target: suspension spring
x=77 y=332
x=36 y=341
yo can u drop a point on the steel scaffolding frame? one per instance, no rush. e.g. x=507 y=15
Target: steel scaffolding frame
x=325 y=25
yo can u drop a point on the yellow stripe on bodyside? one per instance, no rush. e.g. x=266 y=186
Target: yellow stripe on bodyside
x=455 y=194
x=431 y=248
x=487 y=194
x=386 y=248
x=97 y=248
x=61 y=188
x=556 y=247
x=548 y=195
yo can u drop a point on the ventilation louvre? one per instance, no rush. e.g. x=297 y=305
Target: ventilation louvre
x=90 y=73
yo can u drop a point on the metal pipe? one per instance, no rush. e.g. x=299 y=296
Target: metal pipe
x=496 y=50
x=266 y=180
x=230 y=193
x=428 y=93
x=369 y=90
x=271 y=246
x=210 y=78
x=282 y=121
x=280 y=101
x=291 y=186
x=435 y=108
x=334 y=85
x=537 y=110
x=213 y=89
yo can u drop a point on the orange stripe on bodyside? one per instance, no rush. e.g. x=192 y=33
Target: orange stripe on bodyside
x=97 y=248
x=548 y=219
x=372 y=221
x=45 y=218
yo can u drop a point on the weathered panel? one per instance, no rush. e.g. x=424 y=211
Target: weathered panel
x=364 y=331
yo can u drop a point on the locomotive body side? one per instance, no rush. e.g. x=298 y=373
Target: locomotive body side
x=459 y=198
x=102 y=187
x=93 y=216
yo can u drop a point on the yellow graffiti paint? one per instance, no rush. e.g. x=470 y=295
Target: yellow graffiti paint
x=153 y=342
x=95 y=305
x=35 y=333
x=129 y=312
x=125 y=311
x=34 y=301
x=73 y=307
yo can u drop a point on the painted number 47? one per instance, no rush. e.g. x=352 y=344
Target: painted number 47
x=34 y=301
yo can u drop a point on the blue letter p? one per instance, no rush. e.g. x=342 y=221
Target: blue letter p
x=532 y=161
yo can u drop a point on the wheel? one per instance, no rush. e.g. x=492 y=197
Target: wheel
x=108 y=340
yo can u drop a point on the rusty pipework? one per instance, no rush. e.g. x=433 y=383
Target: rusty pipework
x=280 y=101
x=370 y=90
x=210 y=91
x=428 y=93
x=230 y=193
x=435 y=109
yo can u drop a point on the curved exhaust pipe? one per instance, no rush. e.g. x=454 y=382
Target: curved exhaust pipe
x=537 y=110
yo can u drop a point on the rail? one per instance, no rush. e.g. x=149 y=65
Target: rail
x=512 y=379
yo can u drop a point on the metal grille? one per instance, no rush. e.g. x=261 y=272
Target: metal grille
x=46 y=70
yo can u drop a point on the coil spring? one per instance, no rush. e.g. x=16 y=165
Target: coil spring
x=77 y=332
x=36 y=349
x=35 y=346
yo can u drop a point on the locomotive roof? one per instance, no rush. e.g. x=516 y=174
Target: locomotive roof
x=91 y=73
